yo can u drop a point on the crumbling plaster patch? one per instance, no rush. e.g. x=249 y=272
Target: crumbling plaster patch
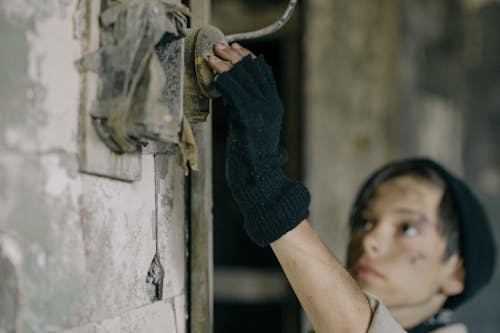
x=45 y=227
x=87 y=241
x=21 y=10
x=119 y=241
x=50 y=123
x=9 y=288
x=171 y=224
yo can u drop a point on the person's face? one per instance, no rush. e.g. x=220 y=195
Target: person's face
x=397 y=251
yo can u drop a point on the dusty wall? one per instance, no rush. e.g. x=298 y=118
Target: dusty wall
x=350 y=103
x=75 y=249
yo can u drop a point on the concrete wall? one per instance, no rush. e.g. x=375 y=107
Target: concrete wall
x=75 y=249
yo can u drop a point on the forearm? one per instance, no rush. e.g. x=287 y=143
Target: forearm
x=328 y=294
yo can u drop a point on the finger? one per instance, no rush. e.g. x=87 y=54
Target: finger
x=219 y=65
x=227 y=53
x=242 y=51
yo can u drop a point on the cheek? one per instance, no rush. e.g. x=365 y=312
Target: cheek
x=408 y=269
x=417 y=273
x=409 y=280
x=417 y=258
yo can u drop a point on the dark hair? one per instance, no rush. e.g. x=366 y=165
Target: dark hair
x=448 y=223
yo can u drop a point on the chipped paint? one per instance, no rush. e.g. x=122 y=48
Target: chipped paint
x=58 y=181
x=10 y=249
x=9 y=289
x=21 y=10
x=49 y=123
x=53 y=47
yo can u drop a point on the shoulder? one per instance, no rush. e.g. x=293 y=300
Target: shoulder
x=455 y=328
x=382 y=320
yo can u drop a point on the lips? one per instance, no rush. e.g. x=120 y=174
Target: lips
x=366 y=271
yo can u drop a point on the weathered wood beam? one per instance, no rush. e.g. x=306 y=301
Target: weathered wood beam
x=200 y=252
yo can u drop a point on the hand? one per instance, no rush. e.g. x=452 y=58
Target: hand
x=227 y=56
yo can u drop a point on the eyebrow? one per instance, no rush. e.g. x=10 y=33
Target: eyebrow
x=422 y=217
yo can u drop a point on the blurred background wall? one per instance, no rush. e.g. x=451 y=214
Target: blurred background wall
x=365 y=82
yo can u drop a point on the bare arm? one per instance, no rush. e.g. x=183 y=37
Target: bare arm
x=328 y=294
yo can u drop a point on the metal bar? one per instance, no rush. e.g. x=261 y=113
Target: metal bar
x=267 y=30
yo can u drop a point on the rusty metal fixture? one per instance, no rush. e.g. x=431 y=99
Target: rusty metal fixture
x=207 y=37
x=196 y=104
x=199 y=45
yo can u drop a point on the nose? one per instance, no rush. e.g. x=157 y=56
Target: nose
x=376 y=241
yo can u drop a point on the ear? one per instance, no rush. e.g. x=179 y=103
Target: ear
x=454 y=280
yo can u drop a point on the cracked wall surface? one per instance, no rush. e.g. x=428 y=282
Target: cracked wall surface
x=75 y=249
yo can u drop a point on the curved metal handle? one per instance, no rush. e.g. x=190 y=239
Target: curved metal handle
x=267 y=30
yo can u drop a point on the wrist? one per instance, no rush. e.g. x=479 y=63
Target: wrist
x=273 y=207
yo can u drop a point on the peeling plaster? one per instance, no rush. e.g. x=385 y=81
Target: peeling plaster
x=11 y=250
x=171 y=224
x=51 y=121
x=57 y=179
x=51 y=64
x=119 y=241
x=45 y=225
x=21 y=10
x=9 y=289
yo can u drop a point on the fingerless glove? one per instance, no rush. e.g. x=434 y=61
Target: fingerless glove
x=271 y=203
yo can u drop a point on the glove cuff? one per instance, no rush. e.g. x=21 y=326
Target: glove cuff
x=289 y=206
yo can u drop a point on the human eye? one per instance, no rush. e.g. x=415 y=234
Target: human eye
x=364 y=224
x=368 y=224
x=408 y=229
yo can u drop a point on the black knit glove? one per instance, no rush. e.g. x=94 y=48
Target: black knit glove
x=271 y=203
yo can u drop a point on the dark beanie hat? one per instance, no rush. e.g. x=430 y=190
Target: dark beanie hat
x=477 y=246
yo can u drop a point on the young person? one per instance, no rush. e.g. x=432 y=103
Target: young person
x=420 y=241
